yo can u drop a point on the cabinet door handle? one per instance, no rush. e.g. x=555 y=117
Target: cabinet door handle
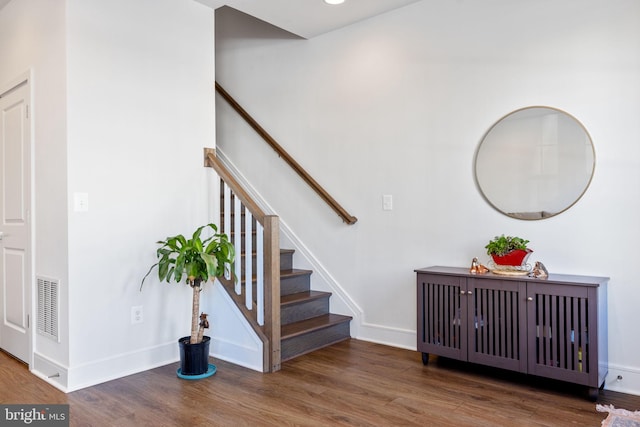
x=469 y=293
x=529 y=298
x=462 y=292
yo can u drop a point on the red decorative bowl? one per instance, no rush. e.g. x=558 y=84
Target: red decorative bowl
x=514 y=258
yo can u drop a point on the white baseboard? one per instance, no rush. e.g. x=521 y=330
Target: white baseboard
x=623 y=379
x=86 y=375
x=74 y=378
x=50 y=371
x=231 y=352
x=393 y=337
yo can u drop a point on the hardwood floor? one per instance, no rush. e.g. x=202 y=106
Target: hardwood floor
x=351 y=383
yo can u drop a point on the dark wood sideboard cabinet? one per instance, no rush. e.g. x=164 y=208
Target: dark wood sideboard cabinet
x=554 y=327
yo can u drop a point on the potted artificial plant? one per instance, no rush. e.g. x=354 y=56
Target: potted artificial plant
x=508 y=250
x=196 y=260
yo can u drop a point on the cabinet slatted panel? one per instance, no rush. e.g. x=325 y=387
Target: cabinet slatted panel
x=562 y=332
x=496 y=327
x=442 y=324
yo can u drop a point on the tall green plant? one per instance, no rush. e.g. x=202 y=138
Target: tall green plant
x=198 y=261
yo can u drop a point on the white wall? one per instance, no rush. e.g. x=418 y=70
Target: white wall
x=398 y=104
x=140 y=111
x=32 y=37
x=123 y=106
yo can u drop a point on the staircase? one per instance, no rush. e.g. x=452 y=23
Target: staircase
x=306 y=323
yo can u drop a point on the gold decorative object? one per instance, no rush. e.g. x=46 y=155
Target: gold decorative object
x=474 y=266
x=477 y=268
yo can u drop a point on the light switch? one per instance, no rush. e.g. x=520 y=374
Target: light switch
x=80 y=202
x=387 y=202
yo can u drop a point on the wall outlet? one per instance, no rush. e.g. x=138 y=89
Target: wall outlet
x=136 y=314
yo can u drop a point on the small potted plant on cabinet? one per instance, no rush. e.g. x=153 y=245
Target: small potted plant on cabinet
x=197 y=260
x=508 y=251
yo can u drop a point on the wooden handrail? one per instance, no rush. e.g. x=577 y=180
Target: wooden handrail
x=324 y=195
x=270 y=335
x=211 y=161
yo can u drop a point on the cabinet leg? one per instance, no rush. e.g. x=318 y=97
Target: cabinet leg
x=592 y=393
x=425 y=358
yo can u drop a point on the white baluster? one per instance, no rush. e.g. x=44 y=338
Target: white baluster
x=237 y=242
x=260 y=272
x=248 y=249
x=227 y=221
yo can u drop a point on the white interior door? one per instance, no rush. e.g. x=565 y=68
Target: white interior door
x=15 y=232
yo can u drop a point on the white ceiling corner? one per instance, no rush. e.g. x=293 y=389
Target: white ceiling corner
x=309 y=18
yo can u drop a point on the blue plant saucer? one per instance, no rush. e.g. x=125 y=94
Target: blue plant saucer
x=210 y=372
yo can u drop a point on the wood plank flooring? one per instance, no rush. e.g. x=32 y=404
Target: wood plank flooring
x=353 y=383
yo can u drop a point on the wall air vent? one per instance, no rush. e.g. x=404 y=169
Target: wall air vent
x=48 y=303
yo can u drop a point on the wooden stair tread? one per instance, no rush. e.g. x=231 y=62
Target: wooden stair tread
x=285 y=273
x=282 y=251
x=302 y=297
x=294 y=272
x=298 y=328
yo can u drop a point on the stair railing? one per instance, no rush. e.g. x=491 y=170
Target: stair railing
x=324 y=195
x=255 y=236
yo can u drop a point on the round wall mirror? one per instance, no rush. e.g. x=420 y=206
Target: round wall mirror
x=534 y=163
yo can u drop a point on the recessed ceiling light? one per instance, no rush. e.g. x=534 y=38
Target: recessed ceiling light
x=334 y=1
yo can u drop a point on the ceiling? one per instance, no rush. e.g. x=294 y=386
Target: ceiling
x=305 y=18
x=309 y=18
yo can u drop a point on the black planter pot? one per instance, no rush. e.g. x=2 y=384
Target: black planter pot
x=194 y=358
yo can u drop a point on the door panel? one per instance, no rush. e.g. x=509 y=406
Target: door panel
x=563 y=321
x=14 y=303
x=497 y=336
x=442 y=323
x=15 y=185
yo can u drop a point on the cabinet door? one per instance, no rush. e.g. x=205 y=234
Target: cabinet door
x=562 y=321
x=497 y=323
x=441 y=317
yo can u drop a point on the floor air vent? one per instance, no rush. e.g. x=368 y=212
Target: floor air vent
x=48 y=307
